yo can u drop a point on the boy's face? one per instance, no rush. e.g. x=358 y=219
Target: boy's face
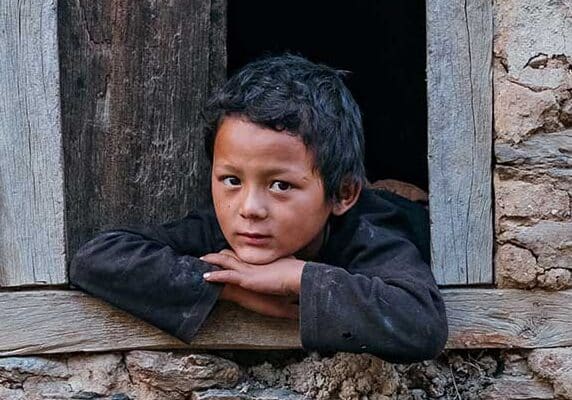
x=269 y=200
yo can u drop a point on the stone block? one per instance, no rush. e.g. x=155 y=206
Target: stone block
x=515 y=267
x=344 y=376
x=549 y=241
x=527 y=30
x=552 y=150
x=179 y=374
x=101 y=373
x=555 y=279
x=555 y=365
x=530 y=200
x=18 y=369
x=520 y=112
x=256 y=394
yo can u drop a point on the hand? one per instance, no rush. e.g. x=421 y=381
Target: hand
x=280 y=277
x=265 y=304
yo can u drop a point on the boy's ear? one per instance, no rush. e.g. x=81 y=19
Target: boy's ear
x=347 y=197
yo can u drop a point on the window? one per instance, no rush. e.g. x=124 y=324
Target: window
x=129 y=99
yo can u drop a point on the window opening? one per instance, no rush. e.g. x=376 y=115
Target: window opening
x=381 y=43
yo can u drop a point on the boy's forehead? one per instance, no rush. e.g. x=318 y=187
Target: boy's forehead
x=241 y=141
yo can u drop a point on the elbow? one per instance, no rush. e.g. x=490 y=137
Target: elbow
x=80 y=267
x=427 y=341
x=417 y=336
x=434 y=342
x=83 y=269
x=416 y=347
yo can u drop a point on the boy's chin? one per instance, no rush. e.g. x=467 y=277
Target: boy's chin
x=256 y=257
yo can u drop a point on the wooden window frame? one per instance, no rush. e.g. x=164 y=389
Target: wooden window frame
x=460 y=139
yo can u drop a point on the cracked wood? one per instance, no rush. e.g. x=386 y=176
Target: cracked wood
x=58 y=321
x=32 y=241
x=459 y=53
x=135 y=76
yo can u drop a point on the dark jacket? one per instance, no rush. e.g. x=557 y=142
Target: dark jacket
x=371 y=291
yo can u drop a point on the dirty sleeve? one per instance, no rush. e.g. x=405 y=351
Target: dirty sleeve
x=152 y=271
x=376 y=292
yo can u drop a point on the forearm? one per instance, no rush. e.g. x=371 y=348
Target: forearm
x=147 y=279
x=401 y=321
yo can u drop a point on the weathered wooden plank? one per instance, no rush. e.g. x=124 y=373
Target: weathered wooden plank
x=37 y=322
x=57 y=321
x=32 y=245
x=459 y=51
x=134 y=78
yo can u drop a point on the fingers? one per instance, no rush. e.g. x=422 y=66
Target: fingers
x=226 y=276
x=223 y=260
x=269 y=305
x=230 y=253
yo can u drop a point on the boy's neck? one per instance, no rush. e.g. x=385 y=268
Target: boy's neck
x=312 y=251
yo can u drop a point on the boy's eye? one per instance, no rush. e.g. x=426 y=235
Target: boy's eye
x=231 y=181
x=280 y=186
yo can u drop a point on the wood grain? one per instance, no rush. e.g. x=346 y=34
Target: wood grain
x=58 y=321
x=459 y=51
x=134 y=77
x=32 y=241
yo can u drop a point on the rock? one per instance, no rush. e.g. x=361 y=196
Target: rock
x=11 y=394
x=344 y=376
x=542 y=150
x=515 y=267
x=555 y=279
x=566 y=113
x=520 y=112
x=257 y=394
x=526 y=31
x=554 y=365
x=100 y=374
x=518 y=388
x=532 y=79
x=16 y=370
x=176 y=375
x=549 y=241
x=530 y=200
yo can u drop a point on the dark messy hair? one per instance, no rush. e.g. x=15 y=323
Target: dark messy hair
x=290 y=93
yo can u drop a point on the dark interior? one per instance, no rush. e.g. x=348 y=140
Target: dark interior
x=381 y=43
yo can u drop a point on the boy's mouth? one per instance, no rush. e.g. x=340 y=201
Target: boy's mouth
x=254 y=238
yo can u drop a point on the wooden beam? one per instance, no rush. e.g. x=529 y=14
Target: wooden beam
x=135 y=76
x=459 y=89
x=59 y=321
x=32 y=238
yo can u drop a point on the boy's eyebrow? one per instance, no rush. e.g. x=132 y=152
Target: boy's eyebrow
x=269 y=171
x=277 y=170
x=228 y=167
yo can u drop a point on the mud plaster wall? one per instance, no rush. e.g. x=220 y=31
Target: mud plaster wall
x=533 y=181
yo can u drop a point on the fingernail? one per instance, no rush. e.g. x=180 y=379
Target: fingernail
x=201 y=258
x=206 y=275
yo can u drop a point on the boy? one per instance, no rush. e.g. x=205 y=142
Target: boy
x=292 y=233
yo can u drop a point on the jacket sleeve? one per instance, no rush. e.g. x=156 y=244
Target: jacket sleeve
x=384 y=301
x=152 y=271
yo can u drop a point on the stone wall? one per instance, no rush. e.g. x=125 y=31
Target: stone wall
x=533 y=144
x=533 y=182
x=533 y=149
x=492 y=375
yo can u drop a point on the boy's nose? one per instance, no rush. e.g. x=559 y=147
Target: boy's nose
x=253 y=205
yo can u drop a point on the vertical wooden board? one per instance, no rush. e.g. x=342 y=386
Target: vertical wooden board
x=32 y=245
x=135 y=76
x=459 y=53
